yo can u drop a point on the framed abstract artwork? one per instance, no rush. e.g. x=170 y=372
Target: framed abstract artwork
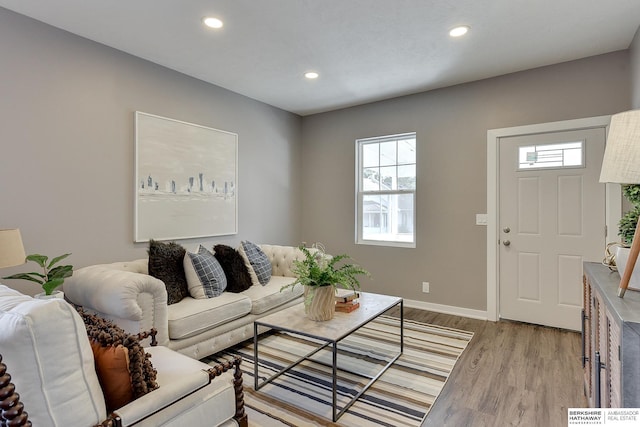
x=185 y=180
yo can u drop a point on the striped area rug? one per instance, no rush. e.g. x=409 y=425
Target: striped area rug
x=302 y=397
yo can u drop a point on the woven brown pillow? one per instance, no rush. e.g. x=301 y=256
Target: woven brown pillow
x=104 y=333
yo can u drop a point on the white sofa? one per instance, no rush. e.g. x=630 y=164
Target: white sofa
x=124 y=293
x=45 y=349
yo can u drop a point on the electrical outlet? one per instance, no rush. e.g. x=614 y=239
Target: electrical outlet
x=425 y=287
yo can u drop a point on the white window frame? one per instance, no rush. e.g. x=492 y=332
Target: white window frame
x=360 y=193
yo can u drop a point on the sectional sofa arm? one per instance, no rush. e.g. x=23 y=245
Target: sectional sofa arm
x=134 y=412
x=134 y=301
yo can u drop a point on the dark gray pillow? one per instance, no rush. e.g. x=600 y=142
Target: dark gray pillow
x=166 y=263
x=238 y=278
x=259 y=261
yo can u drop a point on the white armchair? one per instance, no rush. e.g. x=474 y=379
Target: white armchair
x=44 y=346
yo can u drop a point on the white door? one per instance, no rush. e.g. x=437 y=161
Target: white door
x=551 y=219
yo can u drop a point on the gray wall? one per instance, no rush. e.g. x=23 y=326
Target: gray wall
x=451 y=126
x=635 y=69
x=67 y=146
x=66 y=162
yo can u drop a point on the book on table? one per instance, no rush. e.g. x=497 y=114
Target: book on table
x=347 y=307
x=346 y=295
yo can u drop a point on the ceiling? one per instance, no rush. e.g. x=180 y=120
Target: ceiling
x=364 y=50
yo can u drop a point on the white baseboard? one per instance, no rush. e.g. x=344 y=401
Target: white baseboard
x=447 y=309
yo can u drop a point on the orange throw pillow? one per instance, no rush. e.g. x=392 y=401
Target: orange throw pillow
x=112 y=367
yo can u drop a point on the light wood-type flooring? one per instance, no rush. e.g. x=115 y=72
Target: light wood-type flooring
x=511 y=374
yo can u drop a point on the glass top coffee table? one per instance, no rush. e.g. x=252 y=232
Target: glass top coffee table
x=329 y=333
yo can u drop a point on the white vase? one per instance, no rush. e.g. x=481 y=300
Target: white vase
x=54 y=294
x=319 y=302
x=622 y=255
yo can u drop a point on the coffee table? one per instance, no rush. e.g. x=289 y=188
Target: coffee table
x=329 y=333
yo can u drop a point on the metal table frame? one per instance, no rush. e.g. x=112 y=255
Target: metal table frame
x=334 y=345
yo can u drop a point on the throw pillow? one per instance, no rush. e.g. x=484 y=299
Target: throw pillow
x=258 y=261
x=238 y=278
x=205 y=276
x=142 y=376
x=112 y=368
x=166 y=264
x=254 y=278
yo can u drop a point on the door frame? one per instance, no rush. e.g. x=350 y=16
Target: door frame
x=613 y=195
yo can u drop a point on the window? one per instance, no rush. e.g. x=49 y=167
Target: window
x=546 y=156
x=386 y=190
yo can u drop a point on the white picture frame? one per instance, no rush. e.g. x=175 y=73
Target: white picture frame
x=186 y=179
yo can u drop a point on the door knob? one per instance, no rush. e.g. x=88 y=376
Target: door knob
x=506 y=229
x=506 y=242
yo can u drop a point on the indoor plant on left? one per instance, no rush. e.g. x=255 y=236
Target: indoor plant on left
x=52 y=275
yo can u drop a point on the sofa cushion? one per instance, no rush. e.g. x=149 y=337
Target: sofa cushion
x=238 y=278
x=180 y=375
x=48 y=355
x=205 y=276
x=247 y=263
x=10 y=298
x=257 y=261
x=193 y=316
x=166 y=264
x=141 y=371
x=264 y=298
x=112 y=367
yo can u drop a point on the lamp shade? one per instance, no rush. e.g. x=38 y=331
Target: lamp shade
x=621 y=162
x=11 y=248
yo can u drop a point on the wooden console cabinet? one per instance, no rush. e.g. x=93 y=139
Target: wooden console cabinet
x=610 y=340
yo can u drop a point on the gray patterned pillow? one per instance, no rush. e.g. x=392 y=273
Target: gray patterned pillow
x=205 y=276
x=259 y=261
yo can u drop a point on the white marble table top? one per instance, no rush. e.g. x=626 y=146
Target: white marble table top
x=293 y=319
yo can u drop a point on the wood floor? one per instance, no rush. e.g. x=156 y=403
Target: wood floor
x=511 y=374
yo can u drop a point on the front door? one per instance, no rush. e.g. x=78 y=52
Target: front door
x=551 y=219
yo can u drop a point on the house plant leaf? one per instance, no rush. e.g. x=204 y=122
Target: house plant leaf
x=51 y=285
x=57 y=260
x=41 y=260
x=51 y=277
x=34 y=277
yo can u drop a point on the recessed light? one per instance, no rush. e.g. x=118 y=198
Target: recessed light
x=459 y=31
x=212 y=22
x=311 y=75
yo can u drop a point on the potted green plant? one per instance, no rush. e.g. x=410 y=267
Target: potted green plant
x=321 y=274
x=628 y=222
x=52 y=275
x=626 y=229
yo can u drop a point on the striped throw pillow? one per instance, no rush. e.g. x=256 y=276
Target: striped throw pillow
x=205 y=276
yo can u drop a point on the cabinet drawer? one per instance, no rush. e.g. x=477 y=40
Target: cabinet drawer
x=613 y=363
